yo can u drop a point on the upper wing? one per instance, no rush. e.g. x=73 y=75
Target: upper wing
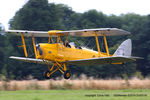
x=80 y=33
x=103 y=60
x=99 y=31
x=32 y=60
x=29 y=33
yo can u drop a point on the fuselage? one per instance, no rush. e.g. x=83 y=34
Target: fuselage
x=60 y=52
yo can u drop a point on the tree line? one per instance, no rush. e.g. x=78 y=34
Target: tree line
x=43 y=16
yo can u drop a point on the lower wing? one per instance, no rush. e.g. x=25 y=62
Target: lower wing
x=103 y=60
x=32 y=60
x=91 y=61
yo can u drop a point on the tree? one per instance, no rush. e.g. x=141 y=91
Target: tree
x=143 y=42
x=2 y=45
x=93 y=19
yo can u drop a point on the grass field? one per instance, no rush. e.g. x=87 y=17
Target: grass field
x=142 y=94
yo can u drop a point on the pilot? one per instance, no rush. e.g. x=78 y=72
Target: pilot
x=67 y=44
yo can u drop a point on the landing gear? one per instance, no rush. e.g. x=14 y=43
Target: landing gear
x=58 y=66
x=67 y=74
x=46 y=74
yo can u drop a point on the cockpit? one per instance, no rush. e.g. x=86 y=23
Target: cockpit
x=71 y=44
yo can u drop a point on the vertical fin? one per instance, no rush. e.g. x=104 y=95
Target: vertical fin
x=124 y=49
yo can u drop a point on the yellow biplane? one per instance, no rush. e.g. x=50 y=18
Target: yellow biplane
x=61 y=54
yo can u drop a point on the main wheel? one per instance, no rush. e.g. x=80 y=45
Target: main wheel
x=46 y=74
x=67 y=74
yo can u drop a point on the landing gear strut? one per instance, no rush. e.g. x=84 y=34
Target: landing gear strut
x=58 y=66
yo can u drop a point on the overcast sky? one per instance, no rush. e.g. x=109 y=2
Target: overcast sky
x=117 y=7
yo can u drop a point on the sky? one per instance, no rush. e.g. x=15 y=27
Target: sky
x=8 y=8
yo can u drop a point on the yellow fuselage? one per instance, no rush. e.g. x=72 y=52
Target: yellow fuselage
x=59 y=52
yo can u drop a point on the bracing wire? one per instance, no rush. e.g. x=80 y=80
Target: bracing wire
x=29 y=49
x=88 y=42
x=102 y=45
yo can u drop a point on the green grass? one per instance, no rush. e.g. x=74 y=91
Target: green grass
x=75 y=95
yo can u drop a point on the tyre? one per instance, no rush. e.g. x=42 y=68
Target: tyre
x=46 y=74
x=67 y=74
